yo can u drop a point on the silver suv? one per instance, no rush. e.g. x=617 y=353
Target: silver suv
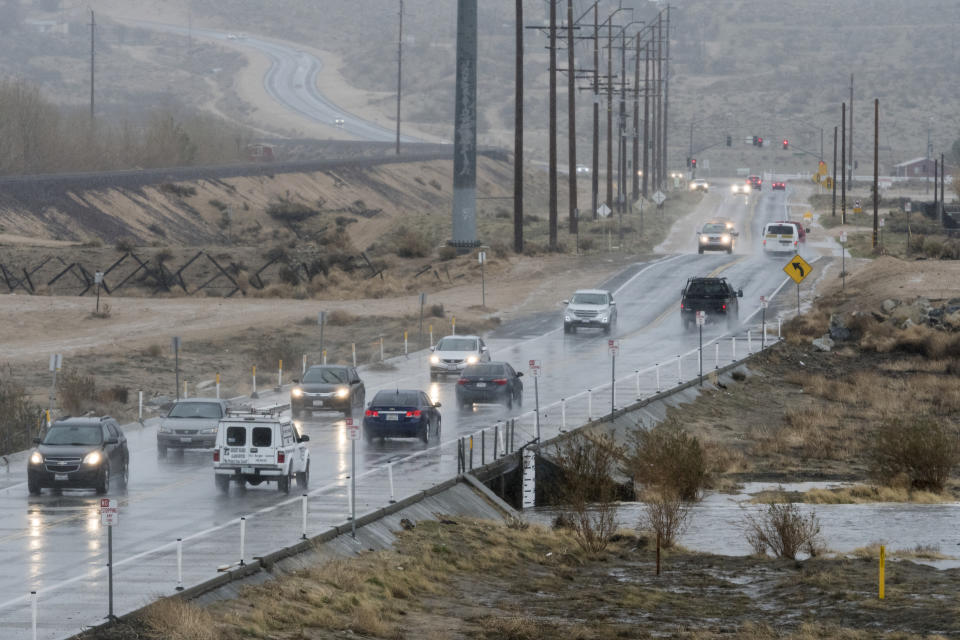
x=590 y=308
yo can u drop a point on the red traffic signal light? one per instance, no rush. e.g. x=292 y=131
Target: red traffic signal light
x=759 y=141
x=786 y=143
x=693 y=162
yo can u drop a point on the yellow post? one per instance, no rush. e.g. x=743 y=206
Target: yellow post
x=883 y=560
x=453 y=325
x=324 y=356
x=48 y=418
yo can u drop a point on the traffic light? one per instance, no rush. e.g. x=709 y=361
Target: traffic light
x=786 y=144
x=754 y=140
x=759 y=141
x=729 y=141
x=693 y=163
x=688 y=162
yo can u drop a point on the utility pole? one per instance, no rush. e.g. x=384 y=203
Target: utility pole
x=465 y=130
x=821 y=144
x=926 y=176
x=646 y=117
x=666 y=101
x=518 y=138
x=943 y=203
x=595 y=177
x=399 y=73
x=876 y=169
x=843 y=171
x=572 y=121
x=621 y=132
x=634 y=177
x=610 y=111
x=553 y=124
x=834 y=185
x=658 y=163
x=92 y=37
x=851 y=131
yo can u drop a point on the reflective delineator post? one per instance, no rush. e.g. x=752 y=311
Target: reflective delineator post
x=483 y=447
x=381 y=348
x=779 y=325
x=637 y=372
x=405 y=351
x=679 y=368
x=749 y=342
x=563 y=414
x=453 y=325
x=716 y=355
x=349 y=500
x=218 y=386
x=33 y=612
x=390 y=476
x=431 y=336
x=733 y=346
x=658 y=376
x=323 y=356
x=496 y=439
x=254 y=393
x=179 y=564
x=184 y=388
x=589 y=404
x=279 y=375
x=353 y=352
x=883 y=562
x=303 y=365
x=243 y=538
x=503 y=449
x=303 y=515
x=140 y=406
x=471 y=452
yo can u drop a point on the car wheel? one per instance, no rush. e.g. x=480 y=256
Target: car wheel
x=103 y=485
x=33 y=487
x=438 y=427
x=303 y=477
x=520 y=397
x=125 y=474
x=283 y=484
x=425 y=432
x=433 y=376
x=161 y=451
x=222 y=482
x=700 y=250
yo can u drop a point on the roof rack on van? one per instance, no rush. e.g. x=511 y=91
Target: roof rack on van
x=268 y=410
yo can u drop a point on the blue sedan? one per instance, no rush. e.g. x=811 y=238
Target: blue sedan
x=402 y=413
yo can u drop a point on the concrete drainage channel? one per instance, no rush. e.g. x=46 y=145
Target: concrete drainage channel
x=467 y=495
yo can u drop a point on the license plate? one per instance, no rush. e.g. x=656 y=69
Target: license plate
x=451 y=367
x=60 y=476
x=318 y=403
x=246 y=469
x=481 y=384
x=393 y=416
x=186 y=439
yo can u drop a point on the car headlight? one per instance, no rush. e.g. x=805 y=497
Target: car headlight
x=725 y=239
x=566 y=318
x=472 y=359
x=434 y=359
x=734 y=188
x=343 y=392
x=210 y=430
x=704 y=239
x=296 y=392
x=36 y=458
x=92 y=458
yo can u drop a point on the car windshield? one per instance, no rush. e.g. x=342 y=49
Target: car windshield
x=74 y=434
x=784 y=229
x=399 y=398
x=457 y=344
x=589 y=298
x=485 y=371
x=707 y=289
x=714 y=227
x=326 y=375
x=196 y=410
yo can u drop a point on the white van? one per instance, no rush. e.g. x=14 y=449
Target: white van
x=780 y=237
x=260 y=445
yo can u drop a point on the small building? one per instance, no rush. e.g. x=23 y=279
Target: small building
x=916 y=168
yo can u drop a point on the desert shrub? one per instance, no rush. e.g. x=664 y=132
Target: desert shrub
x=436 y=311
x=18 y=416
x=933 y=248
x=784 y=531
x=446 y=252
x=174 y=619
x=665 y=514
x=288 y=276
x=925 y=451
x=162 y=256
x=410 y=244
x=436 y=185
x=501 y=249
x=586 y=244
x=153 y=227
x=179 y=190
x=586 y=490
x=217 y=204
x=269 y=350
x=502 y=213
x=76 y=392
x=154 y=351
x=125 y=245
x=338 y=318
x=115 y=394
x=287 y=212
x=667 y=458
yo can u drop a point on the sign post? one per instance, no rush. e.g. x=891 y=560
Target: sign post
x=175 y=345
x=763 y=322
x=798 y=269
x=423 y=301
x=56 y=363
x=482 y=257
x=614 y=347
x=843 y=258
x=322 y=321
x=98 y=279
x=353 y=433
x=109 y=516
x=535 y=370
x=701 y=320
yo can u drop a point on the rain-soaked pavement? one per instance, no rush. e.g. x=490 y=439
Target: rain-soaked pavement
x=54 y=545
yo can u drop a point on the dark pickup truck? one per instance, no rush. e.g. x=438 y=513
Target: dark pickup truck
x=715 y=296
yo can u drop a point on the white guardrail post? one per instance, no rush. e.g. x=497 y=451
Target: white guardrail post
x=563 y=414
x=179 y=564
x=637 y=373
x=243 y=538
x=749 y=342
x=658 y=376
x=33 y=610
x=716 y=355
x=679 y=368
x=589 y=404
x=303 y=515
x=390 y=476
x=733 y=343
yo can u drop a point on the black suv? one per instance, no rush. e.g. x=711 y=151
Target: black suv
x=489 y=382
x=328 y=387
x=714 y=296
x=79 y=453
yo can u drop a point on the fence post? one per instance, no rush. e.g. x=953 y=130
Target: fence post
x=503 y=448
x=390 y=476
x=349 y=500
x=733 y=343
x=459 y=456
x=453 y=325
x=749 y=342
x=679 y=368
x=483 y=447
x=140 y=406
x=471 y=452
x=303 y=513
x=184 y=388
x=658 y=376
x=779 y=324
x=179 y=564
x=243 y=534
x=716 y=355
x=254 y=393
x=33 y=609
x=589 y=404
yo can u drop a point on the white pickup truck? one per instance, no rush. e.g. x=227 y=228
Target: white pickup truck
x=260 y=445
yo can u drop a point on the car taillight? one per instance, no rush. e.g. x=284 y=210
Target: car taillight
x=281 y=456
x=681 y=305
x=216 y=455
x=500 y=381
x=413 y=414
x=370 y=413
x=724 y=307
x=462 y=381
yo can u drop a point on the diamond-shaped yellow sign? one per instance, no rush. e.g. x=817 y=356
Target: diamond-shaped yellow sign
x=798 y=269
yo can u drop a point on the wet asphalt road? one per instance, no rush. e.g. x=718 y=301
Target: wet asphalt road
x=54 y=544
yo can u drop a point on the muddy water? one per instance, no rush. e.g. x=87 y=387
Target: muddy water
x=717 y=524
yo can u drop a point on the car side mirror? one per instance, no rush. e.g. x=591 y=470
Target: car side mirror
x=436 y=404
x=296 y=380
x=484 y=348
x=519 y=374
x=37 y=441
x=566 y=302
x=613 y=303
x=304 y=438
x=434 y=348
x=739 y=293
x=735 y=233
x=356 y=381
x=111 y=441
